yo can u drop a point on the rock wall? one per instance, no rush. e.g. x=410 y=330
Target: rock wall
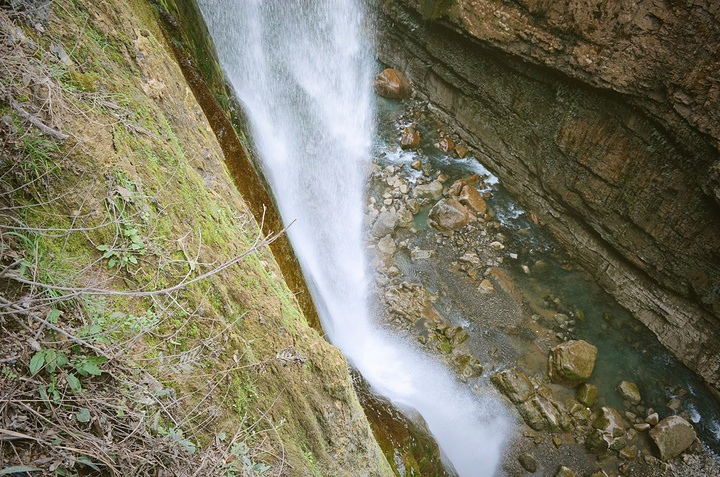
x=601 y=119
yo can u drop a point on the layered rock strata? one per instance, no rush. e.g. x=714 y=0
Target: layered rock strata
x=603 y=121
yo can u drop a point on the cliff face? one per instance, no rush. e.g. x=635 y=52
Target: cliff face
x=603 y=120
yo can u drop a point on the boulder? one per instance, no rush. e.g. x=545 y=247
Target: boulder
x=672 y=436
x=572 y=362
x=587 y=393
x=410 y=139
x=387 y=245
x=461 y=151
x=528 y=462
x=486 y=287
x=405 y=218
x=608 y=431
x=432 y=190
x=392 y=84
x=445 y=144
x=448 y=215
x=385 y=224
x=473 y=200
x=514 y=384
x=542 y=413
x=418 y=254
x=629 y=391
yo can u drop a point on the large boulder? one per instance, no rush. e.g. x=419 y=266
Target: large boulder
x=392 y=84
x=608 y=431
x=572 y=362
x=541 y=413
x=473 y=200
x=385 y=224
x=410 y=139
x=672 y=435
x=433 y=190
x=587 y=393
x=514 y=384
x=448 y=215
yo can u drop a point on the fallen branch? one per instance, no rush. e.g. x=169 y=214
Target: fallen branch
x=36 y=121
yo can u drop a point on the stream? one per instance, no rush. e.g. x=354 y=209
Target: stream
x=427 y=323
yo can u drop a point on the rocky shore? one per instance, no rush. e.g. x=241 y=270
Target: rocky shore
x=603 y=121
x=440 y=257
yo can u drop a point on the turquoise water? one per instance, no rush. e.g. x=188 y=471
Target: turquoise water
x=627 y=350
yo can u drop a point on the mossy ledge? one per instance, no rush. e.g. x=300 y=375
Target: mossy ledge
x=126 y=346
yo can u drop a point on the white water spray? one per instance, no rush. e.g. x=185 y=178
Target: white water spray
x=303 y=71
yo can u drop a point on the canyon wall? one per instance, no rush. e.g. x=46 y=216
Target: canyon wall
x=602 y=119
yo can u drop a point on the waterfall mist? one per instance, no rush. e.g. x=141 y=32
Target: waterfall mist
x=303 y=70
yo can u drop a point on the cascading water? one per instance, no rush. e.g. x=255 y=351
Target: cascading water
x=303 y=71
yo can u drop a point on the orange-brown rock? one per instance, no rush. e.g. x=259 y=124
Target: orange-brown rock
x=392 y=84
x=410 y=139
x=445 y=144
x=472 y=199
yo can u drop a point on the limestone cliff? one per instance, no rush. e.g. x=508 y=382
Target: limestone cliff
x=602 y=118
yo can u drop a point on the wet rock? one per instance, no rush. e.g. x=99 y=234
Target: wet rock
x=473 y=200
x=470 y=258
x=385 y=224
x=652 y=419
x=486 y=287
x=387 y=245
x=392 y=84
x=672 y=436
x=410 y=139
x=433 y=190
x=416 y=164
x=514 y=384
x=408 y=300
x=418 y=254
x=587 y=393
x=675 y=404
x=445 y=144
x=629 y=391
x=642 y=427
x=572 y=363
x=405 y=218
x=448 y=215
x=413 y=206
x=528 y=462
x=541 y=413
x=461 y=151
x=565 y=472
x=608 y=431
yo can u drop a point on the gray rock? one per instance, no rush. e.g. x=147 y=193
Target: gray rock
x=385 y=224
x=608 y=431
x=432 y=190
x=405 y=218
x=418 y=254
x=672 y=436
x=572 y=363
x=387 y=245
x=448 y=215
x=528 y=462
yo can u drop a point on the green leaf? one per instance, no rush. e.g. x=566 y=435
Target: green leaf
x=103 y=248
x=16 y=469
x=74 y=383
x=86 y=461
x=83 y=415
x=222 y=436
x=61 y=360
x=112 y=262
x=97 y=359
x=53 y=316
x=50 y=365
x=91 y=368
x=36 y=363
x=132 y=259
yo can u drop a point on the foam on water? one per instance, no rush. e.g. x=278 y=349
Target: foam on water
x=303 y=70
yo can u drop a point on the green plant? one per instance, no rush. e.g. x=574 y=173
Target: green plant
x=242 y=463
x=53 y=361
x=132 y=245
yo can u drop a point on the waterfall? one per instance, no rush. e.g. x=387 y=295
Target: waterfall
x=303 y=69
